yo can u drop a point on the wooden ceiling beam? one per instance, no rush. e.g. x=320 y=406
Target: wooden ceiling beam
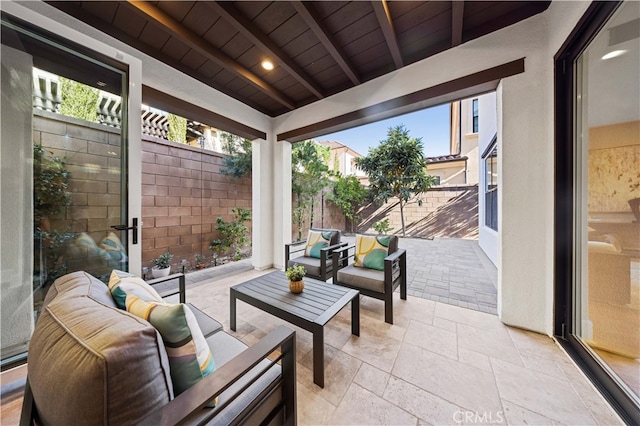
x=457 y=16
x=311 y=18
x=248 y=29
x=381 y=10
x=195 y=42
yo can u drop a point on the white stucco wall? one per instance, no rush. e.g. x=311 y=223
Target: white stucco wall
x=488 y=109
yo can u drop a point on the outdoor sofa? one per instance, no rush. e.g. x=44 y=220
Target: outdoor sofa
x=91 y=362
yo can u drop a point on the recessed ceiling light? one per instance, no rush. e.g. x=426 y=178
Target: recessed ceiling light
x=267 y=65
x=614 y=54
x=101 y=83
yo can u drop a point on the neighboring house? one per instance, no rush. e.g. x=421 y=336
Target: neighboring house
x=473 y=160
x=343 y=160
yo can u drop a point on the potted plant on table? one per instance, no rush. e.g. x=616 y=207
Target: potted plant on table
x=161 y=265
x=294 y=275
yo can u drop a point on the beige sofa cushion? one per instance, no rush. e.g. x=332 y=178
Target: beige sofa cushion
x=85 y=354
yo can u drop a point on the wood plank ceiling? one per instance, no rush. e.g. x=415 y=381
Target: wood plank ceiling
x=319 y=48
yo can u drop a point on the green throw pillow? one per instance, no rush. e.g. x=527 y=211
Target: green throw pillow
x=190 y=358
x=371 y=251
x=317 y=240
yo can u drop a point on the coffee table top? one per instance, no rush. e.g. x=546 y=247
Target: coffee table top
x=318 y=302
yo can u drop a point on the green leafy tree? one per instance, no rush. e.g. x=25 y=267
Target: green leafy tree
x=396 y=168
x=310 y=174
x=238 y=163
x=348 y=195
x=177 y=128
x=79 y=100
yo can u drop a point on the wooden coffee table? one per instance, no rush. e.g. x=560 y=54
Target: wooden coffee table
x=310 y=310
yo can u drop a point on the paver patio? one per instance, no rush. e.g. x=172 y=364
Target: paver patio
x=452 y=271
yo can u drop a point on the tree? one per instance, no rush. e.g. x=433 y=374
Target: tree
x=177 y=128
x=348 y=194
x=238 y=163
x=79 y=100
x=396 y=168
x=310 y=174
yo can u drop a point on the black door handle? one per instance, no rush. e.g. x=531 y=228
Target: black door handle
x=134 y=227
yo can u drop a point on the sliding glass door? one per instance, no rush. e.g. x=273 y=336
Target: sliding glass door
x=598 y=200
x=63 y=173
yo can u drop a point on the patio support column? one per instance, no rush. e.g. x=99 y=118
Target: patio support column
x=282 y=201
x=262 y=202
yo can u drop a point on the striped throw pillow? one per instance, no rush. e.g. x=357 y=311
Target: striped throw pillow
x=371 y=251
x=190 y=358
x=131 y=284
x=316 y=240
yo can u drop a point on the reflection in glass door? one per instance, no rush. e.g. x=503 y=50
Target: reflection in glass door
x=607 y=188
x=63 y=171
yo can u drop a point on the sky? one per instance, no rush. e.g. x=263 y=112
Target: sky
x=432 y=125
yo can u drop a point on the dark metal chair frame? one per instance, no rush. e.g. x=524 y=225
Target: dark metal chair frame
x=395 y=274
x=326 y=259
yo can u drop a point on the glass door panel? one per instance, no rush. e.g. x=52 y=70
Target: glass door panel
x=63 y=171
x=607 y=297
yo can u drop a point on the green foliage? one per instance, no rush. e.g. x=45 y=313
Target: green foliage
x=382 y=227
x=177 y=128
x=396 y=168
x=310 y=173
x=79 y=100
x=238 y=163
x=233 y=235
x=50 y=184
x=348 y=195
x=295 y=272
x=163 y=260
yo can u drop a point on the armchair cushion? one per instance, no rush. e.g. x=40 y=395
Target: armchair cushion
x=190 y=358
x=371 y=251
x=317 y=240
x=365 y=278
x=311 y=264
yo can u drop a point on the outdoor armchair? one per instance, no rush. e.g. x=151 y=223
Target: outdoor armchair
x=377 y=268
x=315 y=253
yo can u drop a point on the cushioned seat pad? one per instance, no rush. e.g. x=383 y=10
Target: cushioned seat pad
x=208 y=325
x=225 y=348
x=311 y=264
x=369 y=279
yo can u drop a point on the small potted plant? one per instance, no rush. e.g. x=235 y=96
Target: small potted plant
x=294 y=275
x=200 y=260
x=161 y=265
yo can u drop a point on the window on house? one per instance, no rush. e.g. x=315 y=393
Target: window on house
x=474 y=104
x=436 y=181
x=491 y=186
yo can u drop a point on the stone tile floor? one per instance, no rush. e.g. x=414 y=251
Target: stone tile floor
x=438 y=364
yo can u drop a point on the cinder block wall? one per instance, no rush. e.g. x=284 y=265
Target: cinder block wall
x=92 y=154
x=183 y=192
x=446 y=212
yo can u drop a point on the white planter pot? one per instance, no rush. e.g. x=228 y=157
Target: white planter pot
x=159 y=273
